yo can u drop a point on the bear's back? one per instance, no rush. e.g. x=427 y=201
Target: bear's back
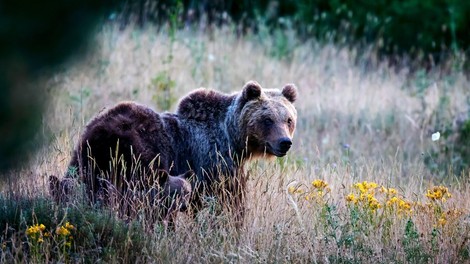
x=204 y=105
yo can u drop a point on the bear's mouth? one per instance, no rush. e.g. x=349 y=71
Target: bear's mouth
x=278 y=152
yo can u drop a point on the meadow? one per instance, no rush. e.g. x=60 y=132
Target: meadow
x=363 y=183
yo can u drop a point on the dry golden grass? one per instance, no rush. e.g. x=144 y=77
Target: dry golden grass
x=359 y=119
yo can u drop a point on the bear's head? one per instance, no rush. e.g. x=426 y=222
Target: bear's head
x=267 y=119
x=176 y=192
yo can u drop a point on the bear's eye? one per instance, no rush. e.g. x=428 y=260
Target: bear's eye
x=289 y=121
x=268 y=121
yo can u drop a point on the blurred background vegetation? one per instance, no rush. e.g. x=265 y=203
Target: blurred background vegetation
x=428 y=30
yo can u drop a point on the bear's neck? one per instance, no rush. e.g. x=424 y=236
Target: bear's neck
x=235 y=136
x=209 y=120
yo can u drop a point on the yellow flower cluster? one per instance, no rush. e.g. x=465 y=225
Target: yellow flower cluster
x=35 y=229
x=388 y=191
x=318 y=189
x=319 y=184
x=366 y=199
x=36 y=233
x=438 y=193
x=400 y=204
x=65 y=229
x=321 y=187
x=366 y=195
x=372 y=197
x=65 y=232
x=62 y=231
x=295 y=190
x=442 y=221
x=366 y=187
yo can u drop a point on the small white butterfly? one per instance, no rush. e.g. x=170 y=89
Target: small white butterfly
x=436 y=136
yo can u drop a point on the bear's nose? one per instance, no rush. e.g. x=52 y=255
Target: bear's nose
x=285 y=143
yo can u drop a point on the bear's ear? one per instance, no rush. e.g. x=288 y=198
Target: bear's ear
x=251 y=90
x=290 y=92
x=188 y=174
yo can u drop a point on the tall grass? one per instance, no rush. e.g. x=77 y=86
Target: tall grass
x=359 y=120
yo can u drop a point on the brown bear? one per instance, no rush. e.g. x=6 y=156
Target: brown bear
x=211 y=133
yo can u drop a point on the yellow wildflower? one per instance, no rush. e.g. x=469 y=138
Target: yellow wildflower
x=388 y=191
x=373 y=203
x=392 y=201
x=438 y=193
x=62 y=231
x=363 y=196
x=360 y=187
x=315 y=196
x=319 y=184
x=351 y=198
x=35 y=229
x=371 y=185
x=442 y=221
x=291 y=189
x=294 y=190
x=309 y=196
x=366 y=187
x=30 y=231
x=69 y=226
x=404 y=206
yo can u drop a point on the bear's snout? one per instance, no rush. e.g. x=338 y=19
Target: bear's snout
x=284 y=144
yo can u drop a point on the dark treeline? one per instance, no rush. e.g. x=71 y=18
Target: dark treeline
x=408 y=27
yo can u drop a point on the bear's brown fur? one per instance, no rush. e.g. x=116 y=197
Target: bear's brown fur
x=211 y=133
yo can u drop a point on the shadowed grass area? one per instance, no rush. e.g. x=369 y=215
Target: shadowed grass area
x=359 y=120
x=34 y=230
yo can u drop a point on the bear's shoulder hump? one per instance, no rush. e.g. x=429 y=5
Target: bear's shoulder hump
x=204 y=105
